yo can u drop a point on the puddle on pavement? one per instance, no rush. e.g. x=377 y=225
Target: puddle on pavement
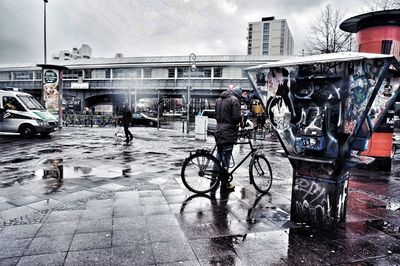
x=56 y=169
x=385 y=227
x=47 y=151
x=19 y=160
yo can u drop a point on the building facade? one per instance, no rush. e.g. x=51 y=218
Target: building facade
x=85 y=52
x=117 y=82
x=269 y=36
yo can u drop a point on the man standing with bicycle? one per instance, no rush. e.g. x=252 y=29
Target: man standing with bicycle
x=228 y=116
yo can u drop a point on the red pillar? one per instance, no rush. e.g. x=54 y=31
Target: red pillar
x=378 y=32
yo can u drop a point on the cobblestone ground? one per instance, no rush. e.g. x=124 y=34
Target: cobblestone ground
x=125 y=205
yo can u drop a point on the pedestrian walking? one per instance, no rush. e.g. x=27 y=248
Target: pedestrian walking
x=228 y=116
x=126 y=121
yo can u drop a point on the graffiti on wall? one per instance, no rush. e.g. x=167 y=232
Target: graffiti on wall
x=316 y=107
x=317 y=201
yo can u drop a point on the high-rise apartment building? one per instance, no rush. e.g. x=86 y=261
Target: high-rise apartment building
x=269 y=36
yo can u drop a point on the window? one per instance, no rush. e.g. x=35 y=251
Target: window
x=386 y=46
x=23 y=75
x=11 y=103
x=217 y=72
x=31 y=103
x=38 y=74
x=126 y=73
x=266 y=28
x=87 y=73
x=147 y=72
x=72 y=74
x=171 y=72
x=6 y=76
x=207 y=72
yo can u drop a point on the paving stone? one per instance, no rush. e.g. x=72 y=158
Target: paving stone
x=58 y=228
x=132 y=211
x=152 y=201
x=79 y=195
x=158 y=221
x=100 y=225
x=174 y=192
x=90 y=214
x=13 y=247
x=19 y=231
x=131 y=195
x=166 y=233
x=99 y=204
x=89 y=257
x=16 y=212
x=63 y=216
x=112 y=187
x=184 y=263
x=129 y=223
x=150 y=193
x=49 y=245
x=132 y=255
x=226 y=260
x=43 y=260
x=9 y=262
x=156 y=210
x=207 y=248
x=96 y=240
x=44 y=204
x=172 y=251
x=6 y=206
x=129 y=238
x=25 y=200
x=126 y=202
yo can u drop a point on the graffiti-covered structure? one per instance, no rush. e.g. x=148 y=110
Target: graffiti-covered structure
x=324 y=109
x=378 y=32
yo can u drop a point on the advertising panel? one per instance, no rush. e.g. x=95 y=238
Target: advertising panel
x=51 y=90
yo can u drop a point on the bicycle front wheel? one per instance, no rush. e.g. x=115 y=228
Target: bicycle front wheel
x=200 y=173
x=260 y=173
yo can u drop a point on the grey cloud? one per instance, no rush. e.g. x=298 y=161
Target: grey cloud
x=140 y=27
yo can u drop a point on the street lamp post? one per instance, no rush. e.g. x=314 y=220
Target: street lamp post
x=192 y=65
x=44 y=26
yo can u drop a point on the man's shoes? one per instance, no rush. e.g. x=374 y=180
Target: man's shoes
x=227 y=187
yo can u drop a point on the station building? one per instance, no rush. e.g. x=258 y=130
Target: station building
x=116 y=82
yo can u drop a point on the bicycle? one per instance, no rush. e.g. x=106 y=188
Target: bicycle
x=201 y=171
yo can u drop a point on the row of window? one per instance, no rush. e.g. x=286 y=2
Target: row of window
x=182 y=72
x=265 y=44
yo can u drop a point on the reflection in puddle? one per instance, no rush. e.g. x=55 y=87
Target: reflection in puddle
x=84 y=169
x=53 y=175
x=52 y=168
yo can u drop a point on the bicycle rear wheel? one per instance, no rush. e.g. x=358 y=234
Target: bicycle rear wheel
x=199 y=173
x=260 y=173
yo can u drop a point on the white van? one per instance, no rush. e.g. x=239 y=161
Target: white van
x=21 y=113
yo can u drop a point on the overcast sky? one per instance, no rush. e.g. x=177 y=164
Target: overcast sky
x=148 y=27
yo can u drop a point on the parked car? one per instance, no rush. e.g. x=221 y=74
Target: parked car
x=212 y=122
x=140 y=119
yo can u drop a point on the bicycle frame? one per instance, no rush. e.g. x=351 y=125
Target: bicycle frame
x=251 y=152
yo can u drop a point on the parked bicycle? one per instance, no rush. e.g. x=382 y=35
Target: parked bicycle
x=201 y=171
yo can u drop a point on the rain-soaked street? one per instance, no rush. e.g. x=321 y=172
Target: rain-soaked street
x=81 y=197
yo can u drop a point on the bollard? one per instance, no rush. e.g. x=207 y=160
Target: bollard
x=183 y=126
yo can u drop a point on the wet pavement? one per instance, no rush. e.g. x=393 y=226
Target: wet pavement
x=82 y=197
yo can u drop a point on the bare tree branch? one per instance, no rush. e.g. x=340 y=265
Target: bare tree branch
x=377 y=5
x=325 y=35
